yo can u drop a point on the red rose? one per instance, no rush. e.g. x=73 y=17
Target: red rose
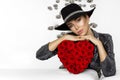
x=75 y=56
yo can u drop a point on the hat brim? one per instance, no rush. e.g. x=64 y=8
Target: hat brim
x=65 y=27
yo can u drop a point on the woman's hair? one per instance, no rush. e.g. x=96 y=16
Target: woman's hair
x=82 y=15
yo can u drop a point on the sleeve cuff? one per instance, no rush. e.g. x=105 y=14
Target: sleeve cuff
x=51 y=52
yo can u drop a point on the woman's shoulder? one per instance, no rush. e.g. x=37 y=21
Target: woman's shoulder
x=101 y=34
x=104 y=37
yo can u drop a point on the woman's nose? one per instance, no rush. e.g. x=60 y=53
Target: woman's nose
x=76 y=27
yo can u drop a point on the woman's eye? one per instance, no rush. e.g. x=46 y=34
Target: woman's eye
x=78 y=19
x=70 y=26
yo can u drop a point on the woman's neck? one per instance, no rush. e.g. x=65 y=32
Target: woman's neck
x=90 y=32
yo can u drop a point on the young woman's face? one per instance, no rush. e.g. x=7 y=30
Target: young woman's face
x=79 y=26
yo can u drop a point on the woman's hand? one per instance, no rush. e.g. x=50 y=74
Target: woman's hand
x=86 y=37
x=91 y=38
x=72 y=37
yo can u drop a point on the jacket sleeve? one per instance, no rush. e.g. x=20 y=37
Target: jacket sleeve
x=108 y=66
x=44 y=53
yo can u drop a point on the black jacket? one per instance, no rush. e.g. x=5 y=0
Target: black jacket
x=108 y=66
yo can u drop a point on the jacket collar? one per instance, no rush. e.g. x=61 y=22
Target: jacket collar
x=96 y=34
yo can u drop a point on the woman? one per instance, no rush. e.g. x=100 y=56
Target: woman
x=77 y=20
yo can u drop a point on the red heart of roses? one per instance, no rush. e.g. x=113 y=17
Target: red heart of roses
x=75 y=55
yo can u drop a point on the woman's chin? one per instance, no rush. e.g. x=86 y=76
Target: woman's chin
x=82 y=34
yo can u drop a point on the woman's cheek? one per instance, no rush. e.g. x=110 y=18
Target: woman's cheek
x=73 y=29
x=82 y=23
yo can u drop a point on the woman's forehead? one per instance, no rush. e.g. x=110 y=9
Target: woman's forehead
x=69 y=22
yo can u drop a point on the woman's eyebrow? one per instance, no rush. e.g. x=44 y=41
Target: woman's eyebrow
x=68 y=23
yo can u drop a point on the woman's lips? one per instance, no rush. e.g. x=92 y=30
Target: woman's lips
x=80 y=31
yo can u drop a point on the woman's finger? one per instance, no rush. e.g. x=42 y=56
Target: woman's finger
x=80 y=38
x=84 y=38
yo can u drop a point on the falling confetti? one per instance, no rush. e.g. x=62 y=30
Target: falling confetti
x=59 y=36
x=67 y=0
x=55 y=6
x=49 y=8
x=67 y=4
x=94 y=25
x=56 y=26
x=57 y=1
x=50 y=28
x=80 y=5
x=63 y=33
x=84 y=5
x=93 y=5
x=58 y=16
x=71 y=1
x=79 y=0
x=89 y=1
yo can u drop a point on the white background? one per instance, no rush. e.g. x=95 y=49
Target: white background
x=23 y=30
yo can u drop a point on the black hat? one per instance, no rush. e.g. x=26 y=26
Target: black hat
x=70 y=12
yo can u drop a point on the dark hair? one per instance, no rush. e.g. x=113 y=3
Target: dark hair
x=82 y=15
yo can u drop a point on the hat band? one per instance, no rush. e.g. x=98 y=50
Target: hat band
x=71 y=14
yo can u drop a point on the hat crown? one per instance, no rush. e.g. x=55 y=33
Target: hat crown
x=69 y=9
x=71 y=12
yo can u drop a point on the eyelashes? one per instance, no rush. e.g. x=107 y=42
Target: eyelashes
x=77 y=20
x=70 y=26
